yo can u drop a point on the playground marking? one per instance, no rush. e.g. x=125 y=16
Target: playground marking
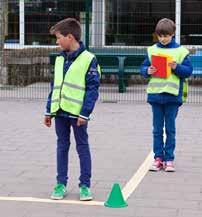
x=137 y=177
x=33 y=199
x=126 y=191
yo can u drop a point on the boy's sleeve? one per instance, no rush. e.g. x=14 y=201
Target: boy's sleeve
x=144 y=67
x=48 y=104
x=184 y=70
x=92 y=86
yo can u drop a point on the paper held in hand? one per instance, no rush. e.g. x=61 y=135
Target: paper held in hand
x=160 y=62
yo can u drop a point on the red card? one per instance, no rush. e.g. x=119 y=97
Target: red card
x=160 y=63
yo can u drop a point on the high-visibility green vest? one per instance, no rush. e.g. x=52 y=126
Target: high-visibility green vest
x=172 y=83
x=68 y=93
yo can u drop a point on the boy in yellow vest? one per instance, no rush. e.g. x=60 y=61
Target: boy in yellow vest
x=166 y=95
x=71 y=101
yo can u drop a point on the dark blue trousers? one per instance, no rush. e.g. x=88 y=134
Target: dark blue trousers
x=164 y=115
x=63 y=128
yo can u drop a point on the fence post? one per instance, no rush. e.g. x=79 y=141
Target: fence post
x=3 y=14
x=87 y=22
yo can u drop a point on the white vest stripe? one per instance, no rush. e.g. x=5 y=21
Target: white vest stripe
x=72 y=100
x=74 y=86
x=56 y=87
x=55 y=100
x=157 y=84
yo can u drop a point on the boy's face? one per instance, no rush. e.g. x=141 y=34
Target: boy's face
x=165 y=39
x=63 y=41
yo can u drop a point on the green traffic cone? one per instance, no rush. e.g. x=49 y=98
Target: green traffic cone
x=115 y=199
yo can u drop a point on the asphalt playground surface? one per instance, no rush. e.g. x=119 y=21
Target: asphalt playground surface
x=120 y=139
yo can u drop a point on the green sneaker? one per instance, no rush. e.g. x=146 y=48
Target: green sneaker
x=85 y=193
x=58 y=192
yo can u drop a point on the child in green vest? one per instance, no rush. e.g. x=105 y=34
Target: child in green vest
x=166 y=95
x=71 y=101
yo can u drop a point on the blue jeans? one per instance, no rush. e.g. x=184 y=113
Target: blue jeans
x=164 y=115
x=62 y=127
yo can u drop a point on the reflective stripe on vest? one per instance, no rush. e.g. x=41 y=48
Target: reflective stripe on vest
x=172 y=83
x=185 y=90
x=68 y=94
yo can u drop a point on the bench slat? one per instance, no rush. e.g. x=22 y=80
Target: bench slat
x=128 y=64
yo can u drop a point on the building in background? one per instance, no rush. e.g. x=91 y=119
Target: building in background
x=115 y=27
x=112 y=22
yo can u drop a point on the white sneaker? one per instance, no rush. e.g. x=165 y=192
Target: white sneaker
x=157 y=165
x=169 y=166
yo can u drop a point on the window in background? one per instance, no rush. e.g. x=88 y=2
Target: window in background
x=132 y=22
x=40 y=15
x=191 y=22
x=12 y=21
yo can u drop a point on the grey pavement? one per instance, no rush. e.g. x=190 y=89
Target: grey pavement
x=120 y=138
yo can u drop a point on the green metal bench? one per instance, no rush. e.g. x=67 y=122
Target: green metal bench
x=196 y=61
x=52 y=57
x=132 y=64
x=112 y=64
x=119 y=63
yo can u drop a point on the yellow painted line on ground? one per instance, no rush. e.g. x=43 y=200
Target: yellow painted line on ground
x=137 y=177
x=39 y=200
x=127 y=190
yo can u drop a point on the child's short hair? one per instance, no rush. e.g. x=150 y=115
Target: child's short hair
x=67 y=26
x=165 y=26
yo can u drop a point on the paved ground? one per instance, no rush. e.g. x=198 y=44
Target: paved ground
x=120 y=137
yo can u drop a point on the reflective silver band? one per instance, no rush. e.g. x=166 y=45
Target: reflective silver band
x=55 y=100
x=74 y=86
x=72 y=100
x=56 y=87
x=158 y=84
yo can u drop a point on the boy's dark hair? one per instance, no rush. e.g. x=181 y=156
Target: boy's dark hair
x=165 y=26
x=67 y=26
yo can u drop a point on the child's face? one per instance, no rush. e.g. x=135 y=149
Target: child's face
x=63 y=41
x=165 y=39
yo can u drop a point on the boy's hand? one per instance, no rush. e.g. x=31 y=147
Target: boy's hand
x=151 y=70
x=81 y=121
x=173 y=65
x=47 y=121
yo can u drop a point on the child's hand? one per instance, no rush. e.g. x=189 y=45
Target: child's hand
x=81 y=121
x=47 y=121
x=151 y=70
x=173 y=65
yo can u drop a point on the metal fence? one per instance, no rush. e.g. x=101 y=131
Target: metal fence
x=108 y=26
x=108 y=92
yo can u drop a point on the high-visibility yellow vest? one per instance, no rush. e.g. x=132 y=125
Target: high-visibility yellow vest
x=170 y=84
x=68 y=93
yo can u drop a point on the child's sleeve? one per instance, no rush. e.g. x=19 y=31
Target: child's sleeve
x=144 y=67
x=184 y=70
x=48 y=104
x=92 y=86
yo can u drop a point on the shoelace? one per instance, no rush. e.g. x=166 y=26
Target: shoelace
x=84 y=190
x=59 y=188
x=157 y=163
x=169 y=164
